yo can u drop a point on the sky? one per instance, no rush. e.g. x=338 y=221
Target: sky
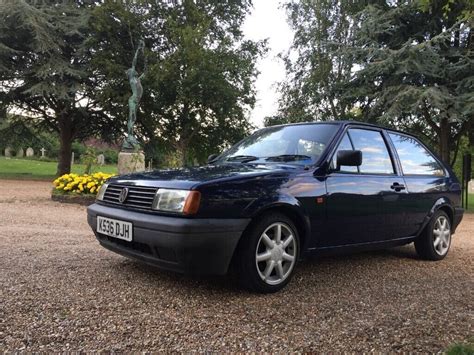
x=268 y=20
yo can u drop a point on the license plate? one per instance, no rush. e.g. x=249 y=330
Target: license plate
x=115 y=228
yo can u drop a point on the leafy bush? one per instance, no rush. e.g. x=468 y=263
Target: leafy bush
x=80 y=184
x=78 y=148
x=89 y=158
x=110 y=155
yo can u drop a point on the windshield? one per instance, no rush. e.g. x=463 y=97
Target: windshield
x=302 y=144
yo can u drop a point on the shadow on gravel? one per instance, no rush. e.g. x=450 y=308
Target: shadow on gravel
x=184 y=283
x=314 y=270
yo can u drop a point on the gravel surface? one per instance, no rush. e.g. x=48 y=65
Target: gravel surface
x=59 y=290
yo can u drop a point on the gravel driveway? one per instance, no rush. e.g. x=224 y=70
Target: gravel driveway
x=59 y=290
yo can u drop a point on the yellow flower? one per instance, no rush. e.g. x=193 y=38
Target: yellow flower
x=81 y=183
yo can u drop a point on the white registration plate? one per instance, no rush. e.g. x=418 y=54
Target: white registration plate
x=115 y=228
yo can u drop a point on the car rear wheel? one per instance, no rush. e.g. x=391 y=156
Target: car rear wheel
x=434 y=242
x=268 y=254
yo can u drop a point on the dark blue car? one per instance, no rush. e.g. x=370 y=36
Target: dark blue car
x=279 y=195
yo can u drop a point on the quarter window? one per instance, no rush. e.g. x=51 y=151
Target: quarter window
x=415 y=159
x=375 y=156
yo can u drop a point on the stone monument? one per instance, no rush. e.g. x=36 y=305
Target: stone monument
x=20 y=153
x=101 y=159
x=42 y=153
x=8 y=152
x=30 y=152
x=131 y=157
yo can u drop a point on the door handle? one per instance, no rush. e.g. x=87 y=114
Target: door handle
x=397 y=187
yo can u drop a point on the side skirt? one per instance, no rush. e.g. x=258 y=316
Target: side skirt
x=362 y=247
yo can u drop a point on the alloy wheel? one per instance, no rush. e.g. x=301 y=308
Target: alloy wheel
x=441 y=235
x=276 y=253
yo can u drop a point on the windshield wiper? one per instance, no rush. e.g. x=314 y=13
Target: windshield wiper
x=288 y=157
x=242 y=158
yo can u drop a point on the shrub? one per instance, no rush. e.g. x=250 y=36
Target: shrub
x=78 y=148
x=89 y=159
x=80 y=184
x=110 y=155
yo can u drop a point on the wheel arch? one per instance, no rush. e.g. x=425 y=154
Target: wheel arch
x=449 y=211
x=292 y=212
x=442 y=204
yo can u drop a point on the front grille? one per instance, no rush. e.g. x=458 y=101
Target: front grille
x=138 y=197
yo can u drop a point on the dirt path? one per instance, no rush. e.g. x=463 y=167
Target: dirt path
x=59 y=290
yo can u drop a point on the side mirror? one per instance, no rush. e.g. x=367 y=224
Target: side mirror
x=349 y=158
x=211 y=158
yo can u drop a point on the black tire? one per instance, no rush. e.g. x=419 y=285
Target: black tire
x=249 y=270
x=425 y=244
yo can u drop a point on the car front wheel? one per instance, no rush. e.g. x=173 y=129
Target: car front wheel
x=434 y=242
x=268 y=254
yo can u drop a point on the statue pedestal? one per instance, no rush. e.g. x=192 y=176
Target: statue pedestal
x=131 y=162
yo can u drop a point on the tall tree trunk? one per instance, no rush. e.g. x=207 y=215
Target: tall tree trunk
x=444 y=140
x=181 y=150
x=65 y=148
x=470 y=133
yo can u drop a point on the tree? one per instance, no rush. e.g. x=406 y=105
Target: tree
x=115 y=31
x=417 y=67
x=317 y=73
x=63 y=65
x=198 y=88
x=203 y=79
x=404 y=64
x=15 y=133
x=45 y=72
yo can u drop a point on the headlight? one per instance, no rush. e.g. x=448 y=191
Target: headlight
x=181 y=201
x=101 y=193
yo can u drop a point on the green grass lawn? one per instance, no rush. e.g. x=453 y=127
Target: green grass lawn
x=41 y=170
x=470 y=205
x=466 y=348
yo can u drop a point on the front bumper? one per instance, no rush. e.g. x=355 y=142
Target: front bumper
x=186 y=245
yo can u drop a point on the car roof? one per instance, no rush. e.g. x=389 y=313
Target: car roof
x=345 y=123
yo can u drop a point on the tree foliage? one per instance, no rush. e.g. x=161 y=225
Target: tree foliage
x=316 y=72
x=418 y=68
x=203 y=81
x=406 y=64
x=45 y=70
x=198 y=89
x=63 y=65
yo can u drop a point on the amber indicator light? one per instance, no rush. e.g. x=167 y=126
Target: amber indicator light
x=192 y=203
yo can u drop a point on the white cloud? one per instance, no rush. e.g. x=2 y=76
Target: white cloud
x=374 y=150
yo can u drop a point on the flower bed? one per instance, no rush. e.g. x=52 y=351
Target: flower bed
x=74 y=188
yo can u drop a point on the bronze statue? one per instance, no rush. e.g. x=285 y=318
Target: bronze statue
x=131 y=142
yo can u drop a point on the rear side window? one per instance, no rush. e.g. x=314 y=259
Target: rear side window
x=415 y=159
x=375 y=156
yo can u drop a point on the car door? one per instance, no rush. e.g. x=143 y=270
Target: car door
x=363 y=203
x=425 y=180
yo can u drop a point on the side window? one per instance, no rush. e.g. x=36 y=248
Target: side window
x=344 y=145
x=375 y=156
x=415 y=159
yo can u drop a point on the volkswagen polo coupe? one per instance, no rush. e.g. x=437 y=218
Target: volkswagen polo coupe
x=281 y=194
